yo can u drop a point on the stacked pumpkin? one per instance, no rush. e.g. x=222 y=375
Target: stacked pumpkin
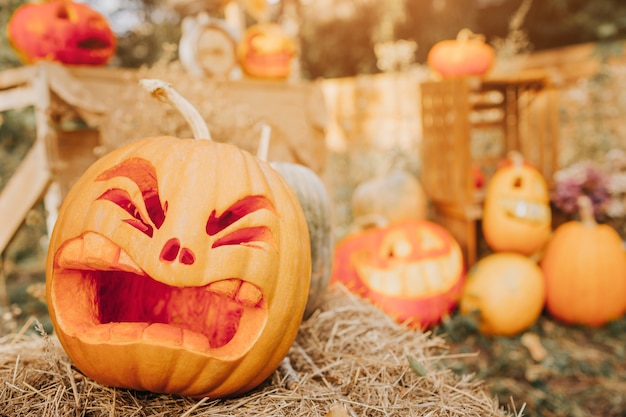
x=467 y=55
x=410 y=267
x=506 y=289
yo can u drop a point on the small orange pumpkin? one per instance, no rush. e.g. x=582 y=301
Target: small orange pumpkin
x=517 y=215
x=266 y=51
x=466 y=55
x=508 y=292
x=413 y=270
x=62 y=31
x=179 y=266
x=585 y=270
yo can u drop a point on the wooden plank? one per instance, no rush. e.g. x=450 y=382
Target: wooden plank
x=22 y=191
x=17 y=98
x=13 y=77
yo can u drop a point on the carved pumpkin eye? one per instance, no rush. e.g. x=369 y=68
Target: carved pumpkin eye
x=123 y=200
x=244 y=236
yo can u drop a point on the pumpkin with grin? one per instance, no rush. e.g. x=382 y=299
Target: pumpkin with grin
x=179 y=266
x=63 y=31
x=412 y=269
x=517 y=216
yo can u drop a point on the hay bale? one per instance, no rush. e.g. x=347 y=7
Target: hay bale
x=348 y=355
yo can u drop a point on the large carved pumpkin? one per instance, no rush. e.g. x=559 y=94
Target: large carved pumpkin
x=585 y=270
x=179 y=266
x=62 y=31
x=517 y=215
x=413 y=270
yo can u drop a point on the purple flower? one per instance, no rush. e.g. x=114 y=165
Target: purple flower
x=583 y=178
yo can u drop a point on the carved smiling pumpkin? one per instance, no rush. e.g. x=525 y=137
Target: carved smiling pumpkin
x=517 y=216
x=62 y=31
x=413 y=270
x=178 y=266
x=266 y=51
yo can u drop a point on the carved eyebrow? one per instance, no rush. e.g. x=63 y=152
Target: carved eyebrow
x=142 y=173
x=237 y=211
x=122 y=199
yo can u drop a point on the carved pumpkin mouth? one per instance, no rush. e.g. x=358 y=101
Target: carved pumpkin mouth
x=412 y=278
x=525 y=210
x=395 y=270
x=109 y=299
x=94 y=44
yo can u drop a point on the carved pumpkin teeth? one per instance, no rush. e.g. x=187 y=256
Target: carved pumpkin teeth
x=226 y=287
x=526 y=210
x=94 y=251
x=249 y=295
x=245 y=293
x=413 y=279
x=204 y=319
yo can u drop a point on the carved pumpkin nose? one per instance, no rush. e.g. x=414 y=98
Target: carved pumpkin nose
x=172 y=250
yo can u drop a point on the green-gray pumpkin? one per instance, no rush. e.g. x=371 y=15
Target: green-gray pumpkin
x=317 y=207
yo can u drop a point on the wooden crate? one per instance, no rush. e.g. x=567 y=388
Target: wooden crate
x=470 y=122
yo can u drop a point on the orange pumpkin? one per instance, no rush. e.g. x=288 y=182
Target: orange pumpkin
x=266 y=51
x=517 y=215
x=585 y=270
x=62 y=31
x=506 y=290
x=413 y=270
x=466 y=55
x=179 y=266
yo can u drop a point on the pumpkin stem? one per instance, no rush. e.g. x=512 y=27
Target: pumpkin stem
x=166 y=93
x=585 y=210
x=264 y=143
x=466 y=34
x=517 y=158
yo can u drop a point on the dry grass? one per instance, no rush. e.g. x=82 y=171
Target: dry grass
x=348 y=353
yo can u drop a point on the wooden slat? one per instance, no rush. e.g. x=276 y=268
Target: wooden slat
x=14 y=77
x=22 y=191
x=17 y=98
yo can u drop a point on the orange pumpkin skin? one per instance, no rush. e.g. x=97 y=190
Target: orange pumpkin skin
x=507 y=290
x=413 y=270
x=463 y=56
x=585 y=271
x=516 y=211
x=266 y=52
x=63 y=31
x=178 y=266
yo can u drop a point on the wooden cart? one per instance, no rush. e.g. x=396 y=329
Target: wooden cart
x=471 y=123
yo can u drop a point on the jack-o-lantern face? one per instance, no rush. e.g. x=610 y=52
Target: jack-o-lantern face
x=62 y=31
x=413 y=270
x=266 y=52
x=178 y=266
x=517 y=214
